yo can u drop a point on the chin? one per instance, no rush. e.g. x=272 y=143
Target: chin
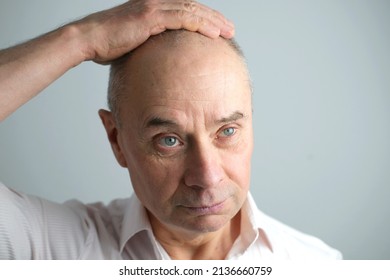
x=205 y=224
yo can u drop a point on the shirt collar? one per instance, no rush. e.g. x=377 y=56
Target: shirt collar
x=253 y=230
x=253 y=225
x=135 y=220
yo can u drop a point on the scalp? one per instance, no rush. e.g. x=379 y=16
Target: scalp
x=176 y=43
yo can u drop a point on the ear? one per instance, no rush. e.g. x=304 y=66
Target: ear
x=112 y=134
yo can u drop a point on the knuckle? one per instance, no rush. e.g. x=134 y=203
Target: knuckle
x=192 y=23
x=181 y=14
x=200 y=21
x=190 y=6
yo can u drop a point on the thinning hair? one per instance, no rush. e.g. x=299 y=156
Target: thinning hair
x=119 y=75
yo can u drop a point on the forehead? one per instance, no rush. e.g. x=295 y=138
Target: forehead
x=166 y=56
x=206 y=75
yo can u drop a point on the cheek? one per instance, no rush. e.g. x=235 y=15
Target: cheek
x=154 y=180
x=238 y=164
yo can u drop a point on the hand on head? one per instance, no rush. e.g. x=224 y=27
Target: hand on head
x=102 y=37
x=111 y=33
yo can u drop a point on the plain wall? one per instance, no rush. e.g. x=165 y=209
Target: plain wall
x=321 y=76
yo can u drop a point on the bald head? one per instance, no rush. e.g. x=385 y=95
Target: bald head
x=167 y=53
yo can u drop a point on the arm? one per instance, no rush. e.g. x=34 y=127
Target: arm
x=27 y=69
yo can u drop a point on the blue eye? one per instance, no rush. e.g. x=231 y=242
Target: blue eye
x=169 y=141
x=229 y=131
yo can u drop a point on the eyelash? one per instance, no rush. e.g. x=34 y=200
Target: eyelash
x=162 y=137
x=226 y=128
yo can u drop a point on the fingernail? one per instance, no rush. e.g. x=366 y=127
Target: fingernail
x=227 y=33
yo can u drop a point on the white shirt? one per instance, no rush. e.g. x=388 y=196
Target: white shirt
x=34 y=228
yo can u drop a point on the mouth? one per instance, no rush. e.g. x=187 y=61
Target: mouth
x=205 y=210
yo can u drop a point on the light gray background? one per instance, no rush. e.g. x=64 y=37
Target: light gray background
x=321 y=75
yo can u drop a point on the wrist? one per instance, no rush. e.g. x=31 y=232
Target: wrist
x=79 y=46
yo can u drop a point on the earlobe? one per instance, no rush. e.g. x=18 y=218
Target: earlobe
x=112 y=135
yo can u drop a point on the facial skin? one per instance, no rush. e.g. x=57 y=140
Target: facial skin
x=186 y=135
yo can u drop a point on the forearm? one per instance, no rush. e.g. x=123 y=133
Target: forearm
x=27 y=69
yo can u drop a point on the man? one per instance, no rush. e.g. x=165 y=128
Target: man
x=180 y=122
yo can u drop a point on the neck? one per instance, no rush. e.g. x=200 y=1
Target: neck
x=183 y=245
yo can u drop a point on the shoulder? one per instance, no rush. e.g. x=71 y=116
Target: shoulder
x=15 y=226
x=35 y=228
x=292 y=243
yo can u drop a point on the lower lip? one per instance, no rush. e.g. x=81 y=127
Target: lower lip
x=207 y=210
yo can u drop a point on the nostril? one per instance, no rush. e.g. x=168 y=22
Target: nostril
x=204 y=176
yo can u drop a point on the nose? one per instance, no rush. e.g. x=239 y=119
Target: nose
x=204 y=168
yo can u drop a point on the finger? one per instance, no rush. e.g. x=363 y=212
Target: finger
x=194 y=8
x=180 y=19
x=216 y=18
x=197 y=12
x=212 y=14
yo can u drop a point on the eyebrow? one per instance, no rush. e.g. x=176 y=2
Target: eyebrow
x=160 y=122
x=235 y=116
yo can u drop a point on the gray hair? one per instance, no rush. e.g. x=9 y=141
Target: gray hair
x=118 y=73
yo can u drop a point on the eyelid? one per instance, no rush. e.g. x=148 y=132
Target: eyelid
x=162 y=139
x=227 y=126
x=159 y=137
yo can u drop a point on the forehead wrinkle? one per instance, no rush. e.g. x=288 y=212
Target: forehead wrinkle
x=170 y=90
